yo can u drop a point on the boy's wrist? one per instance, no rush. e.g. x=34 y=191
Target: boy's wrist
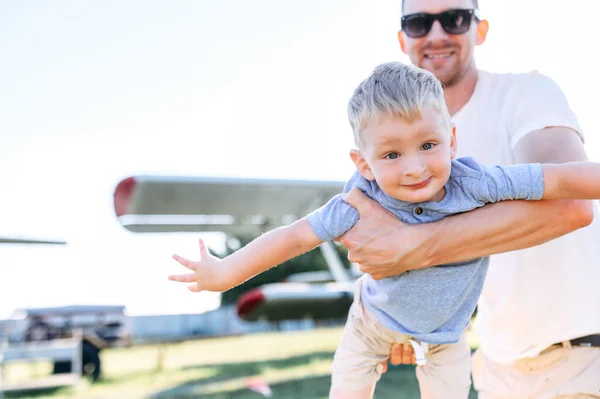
x=227 y=271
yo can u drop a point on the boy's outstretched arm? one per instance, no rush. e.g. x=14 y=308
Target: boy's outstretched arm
x=270 y=249
x=574 y=180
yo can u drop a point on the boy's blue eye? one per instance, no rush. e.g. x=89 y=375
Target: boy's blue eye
x=427 y=146
x=392 y=155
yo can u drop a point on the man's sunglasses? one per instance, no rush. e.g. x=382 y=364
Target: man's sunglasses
x=454 y=22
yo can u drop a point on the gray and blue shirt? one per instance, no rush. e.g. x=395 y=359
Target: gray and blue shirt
x=433 y=305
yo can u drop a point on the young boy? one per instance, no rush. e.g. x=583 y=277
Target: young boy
x=406 y=146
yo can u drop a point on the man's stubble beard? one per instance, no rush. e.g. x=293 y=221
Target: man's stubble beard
x=457 y=77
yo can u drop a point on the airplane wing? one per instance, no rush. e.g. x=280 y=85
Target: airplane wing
x=234 y=206
x=296 y=301
x=18 y=240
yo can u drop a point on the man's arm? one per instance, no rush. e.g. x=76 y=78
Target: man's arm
x=492 y=229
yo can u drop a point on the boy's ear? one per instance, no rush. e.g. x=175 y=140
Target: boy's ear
x=453 y=143
x=361 y=165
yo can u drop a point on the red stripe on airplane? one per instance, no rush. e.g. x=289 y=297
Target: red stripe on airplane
x=123 y=194
x=249 y=301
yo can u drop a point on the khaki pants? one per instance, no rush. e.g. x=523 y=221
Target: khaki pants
x=365 y=343
x=559 y=372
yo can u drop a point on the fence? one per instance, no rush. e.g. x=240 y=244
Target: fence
x=68 y=349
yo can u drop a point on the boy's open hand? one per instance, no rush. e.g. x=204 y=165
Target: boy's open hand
x=208 y=273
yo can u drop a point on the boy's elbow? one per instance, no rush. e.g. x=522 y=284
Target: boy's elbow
x=579 y=213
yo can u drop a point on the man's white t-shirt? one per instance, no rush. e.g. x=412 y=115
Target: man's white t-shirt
x=550 y=293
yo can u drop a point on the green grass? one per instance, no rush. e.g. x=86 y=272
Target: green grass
x=295 y=364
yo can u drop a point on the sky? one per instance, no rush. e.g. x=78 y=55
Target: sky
x=92 y=92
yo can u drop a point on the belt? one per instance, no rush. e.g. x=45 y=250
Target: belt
x=590 y=340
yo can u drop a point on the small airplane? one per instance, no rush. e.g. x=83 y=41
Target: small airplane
x=242 y=207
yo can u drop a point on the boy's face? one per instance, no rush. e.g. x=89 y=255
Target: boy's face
x=410 y=161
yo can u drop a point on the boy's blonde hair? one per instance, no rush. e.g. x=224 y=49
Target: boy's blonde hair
x=398 y=90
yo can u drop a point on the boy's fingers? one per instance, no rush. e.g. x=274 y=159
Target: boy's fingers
x=185 y=262
x=183 y=278
x=203 y=250
x=194 y=288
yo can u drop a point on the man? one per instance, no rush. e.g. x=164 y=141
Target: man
x=539 y=314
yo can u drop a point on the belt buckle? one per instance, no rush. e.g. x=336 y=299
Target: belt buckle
x=587 y=341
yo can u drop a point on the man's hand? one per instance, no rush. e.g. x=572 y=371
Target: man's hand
x=208 y=273
x=400 y=354
x=380 y=243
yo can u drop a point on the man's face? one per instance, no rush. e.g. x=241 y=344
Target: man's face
x=449 y=57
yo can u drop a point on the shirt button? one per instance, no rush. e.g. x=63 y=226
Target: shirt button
x=418 y=210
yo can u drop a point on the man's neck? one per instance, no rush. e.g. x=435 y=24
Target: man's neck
x=458 y=95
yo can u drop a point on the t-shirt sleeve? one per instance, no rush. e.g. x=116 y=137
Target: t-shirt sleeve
x=538 y=103
x=484 y=184
x=333 y=219
x=524 y=181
